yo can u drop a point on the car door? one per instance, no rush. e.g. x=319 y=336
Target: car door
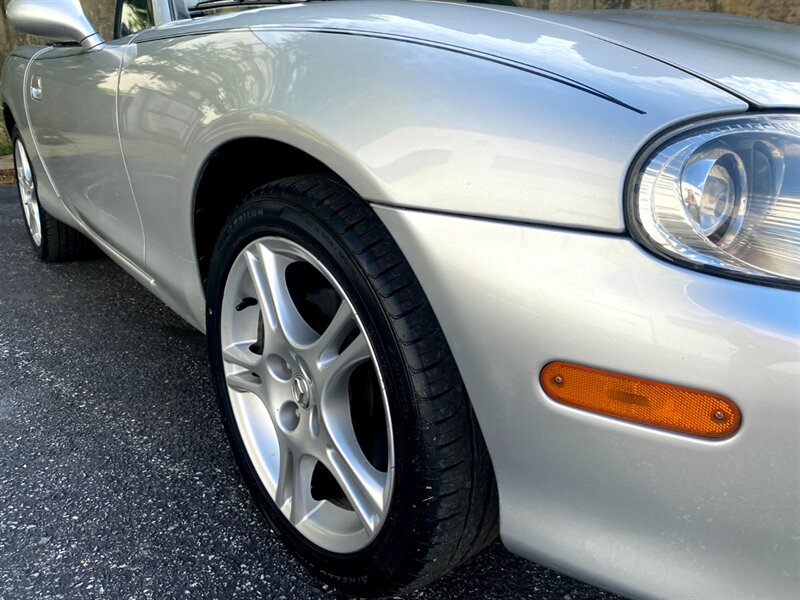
x=72 y=108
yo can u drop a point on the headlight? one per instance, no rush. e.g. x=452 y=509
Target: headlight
x=724 y=196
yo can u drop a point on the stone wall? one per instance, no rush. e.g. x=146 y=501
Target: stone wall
x=101 y=12
x=778 y=10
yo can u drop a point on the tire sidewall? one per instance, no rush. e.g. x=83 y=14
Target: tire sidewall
x=275 y=216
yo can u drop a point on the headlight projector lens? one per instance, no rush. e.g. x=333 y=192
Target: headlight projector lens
x=714 y=190
x=725 y=195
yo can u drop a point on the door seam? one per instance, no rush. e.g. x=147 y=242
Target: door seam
x=122 y=150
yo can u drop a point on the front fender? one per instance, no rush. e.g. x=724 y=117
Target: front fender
x=405 y=124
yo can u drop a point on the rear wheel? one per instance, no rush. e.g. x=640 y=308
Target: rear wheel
x=52 y=240
x=339 y=394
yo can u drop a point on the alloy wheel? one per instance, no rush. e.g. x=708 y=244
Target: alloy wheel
x=27 y=192
x=307 y=394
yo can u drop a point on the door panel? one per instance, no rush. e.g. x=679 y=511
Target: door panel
x=72 y=96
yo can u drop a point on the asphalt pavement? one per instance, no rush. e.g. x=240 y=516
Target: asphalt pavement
x=115 y=474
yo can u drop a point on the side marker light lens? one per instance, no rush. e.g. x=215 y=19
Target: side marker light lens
x=652 y=403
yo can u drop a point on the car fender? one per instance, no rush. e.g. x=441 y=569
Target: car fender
x=405 y=124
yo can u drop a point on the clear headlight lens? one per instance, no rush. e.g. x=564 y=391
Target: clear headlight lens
x=726 y=196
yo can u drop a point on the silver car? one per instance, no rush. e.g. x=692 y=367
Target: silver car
x=464 y=270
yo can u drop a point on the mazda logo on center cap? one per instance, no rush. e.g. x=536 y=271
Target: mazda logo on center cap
x=301 y=390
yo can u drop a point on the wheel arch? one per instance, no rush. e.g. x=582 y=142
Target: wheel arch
x=257 y=161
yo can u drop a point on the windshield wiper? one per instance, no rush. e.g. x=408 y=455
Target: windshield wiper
x=211 y=4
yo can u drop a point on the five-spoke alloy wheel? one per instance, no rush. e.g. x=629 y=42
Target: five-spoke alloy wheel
x=340 y=397
x=27 y=192
x=307 y=394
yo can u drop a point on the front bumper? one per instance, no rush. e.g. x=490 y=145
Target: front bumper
x=644 y=512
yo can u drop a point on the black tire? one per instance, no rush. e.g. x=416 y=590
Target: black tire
x=59 y=242
x=444 y=505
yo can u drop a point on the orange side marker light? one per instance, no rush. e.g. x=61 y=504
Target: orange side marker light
x=651 y=403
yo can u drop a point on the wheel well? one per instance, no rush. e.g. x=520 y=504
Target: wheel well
x=8 y=121
x=234 y=170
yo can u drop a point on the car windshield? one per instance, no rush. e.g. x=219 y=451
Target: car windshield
x=196 y=7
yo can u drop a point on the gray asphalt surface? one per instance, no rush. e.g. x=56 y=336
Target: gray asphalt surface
x=115 y=474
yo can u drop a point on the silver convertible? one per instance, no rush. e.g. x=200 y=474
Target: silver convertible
x=464 y=270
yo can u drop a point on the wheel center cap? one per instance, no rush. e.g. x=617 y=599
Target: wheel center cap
x=301 y=390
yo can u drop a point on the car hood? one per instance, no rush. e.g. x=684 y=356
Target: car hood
x=755 y=59
x=618 y=53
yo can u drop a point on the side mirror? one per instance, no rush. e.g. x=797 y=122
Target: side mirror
x=62 y=21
